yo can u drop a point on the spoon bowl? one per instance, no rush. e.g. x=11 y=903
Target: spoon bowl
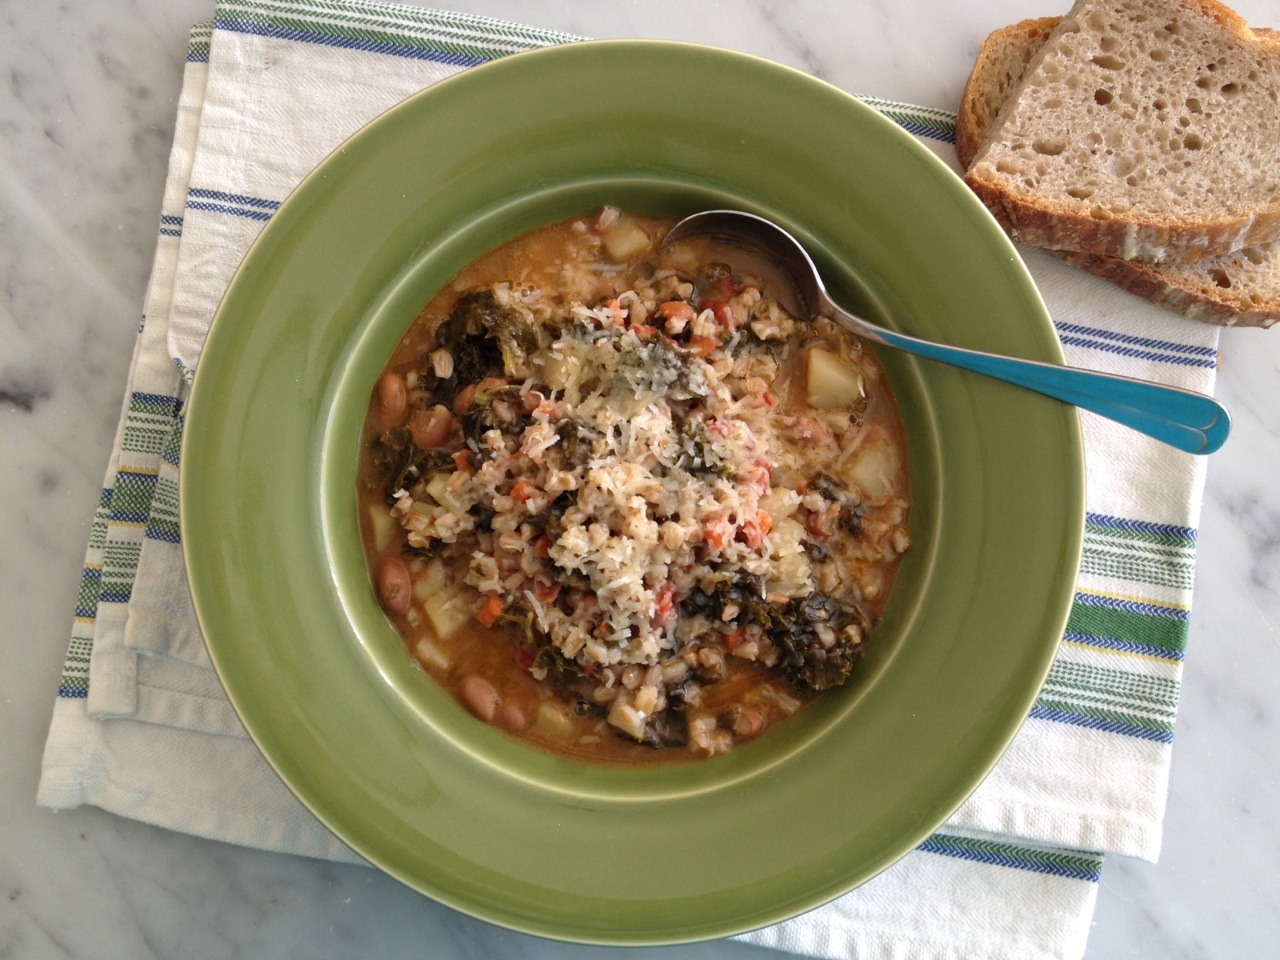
x=1189 y=421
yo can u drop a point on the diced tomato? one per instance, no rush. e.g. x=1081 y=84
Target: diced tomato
x=666 y=602
x=643 y=330
x=701 y=346
x=725 y=286
x=490 y=611
x=734 y=640
x=676 y=308
x=724 y=315
x=755 y=475
x=822 y=523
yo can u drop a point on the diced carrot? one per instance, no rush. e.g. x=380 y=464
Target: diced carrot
x=643 y=330
x=490 y=611
x=718 y=532
x=734 y=639
x=613 y=309
x=753 y=531
x=676 y=308
x=523 y=490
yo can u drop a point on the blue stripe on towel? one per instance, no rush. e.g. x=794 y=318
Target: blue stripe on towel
x=233 y=211
x=237 y=198
x=1074 y=865
x=1099 y=723
x=1123 y=646
x=234 y=204
x=349 y=43
x=1140 y=348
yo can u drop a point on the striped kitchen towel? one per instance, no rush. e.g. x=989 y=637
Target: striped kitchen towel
x=142 y=728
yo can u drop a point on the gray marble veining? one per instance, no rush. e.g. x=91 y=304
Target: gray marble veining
x=87 y=99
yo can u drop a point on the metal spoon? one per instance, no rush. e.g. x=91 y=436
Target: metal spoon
x=1181 y=418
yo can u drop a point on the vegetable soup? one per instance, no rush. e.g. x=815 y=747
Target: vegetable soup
x=621 y=504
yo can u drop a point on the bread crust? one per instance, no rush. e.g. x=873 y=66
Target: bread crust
x=1150 y=239
x=1031 y=215
x=1001 y=61
x=1211 y=291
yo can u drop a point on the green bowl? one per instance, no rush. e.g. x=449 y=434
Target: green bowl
x=456 y=809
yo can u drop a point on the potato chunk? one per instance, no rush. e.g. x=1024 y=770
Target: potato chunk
x=448 y=612
x=625 y=240
x=874 y=468
x=831 y=382
x=382 y=524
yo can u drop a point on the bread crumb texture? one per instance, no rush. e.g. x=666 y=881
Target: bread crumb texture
x=1141 y=113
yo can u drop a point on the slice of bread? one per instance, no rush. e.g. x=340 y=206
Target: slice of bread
x=1141 y=129
x=1240 y=289
x=1002 y=60
x=1237 y=289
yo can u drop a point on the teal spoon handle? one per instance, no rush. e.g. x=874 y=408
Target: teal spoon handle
x=1189 y=421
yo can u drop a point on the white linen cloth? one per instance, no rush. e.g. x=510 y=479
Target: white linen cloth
x=141 y=726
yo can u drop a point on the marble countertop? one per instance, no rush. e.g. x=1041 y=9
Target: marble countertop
x=87 y=111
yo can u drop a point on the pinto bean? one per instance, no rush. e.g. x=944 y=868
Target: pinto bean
x=479 y=696
x=513 y=717
x=393 y=399
x=431 y=428
x=395 y=587
x=465 y=398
